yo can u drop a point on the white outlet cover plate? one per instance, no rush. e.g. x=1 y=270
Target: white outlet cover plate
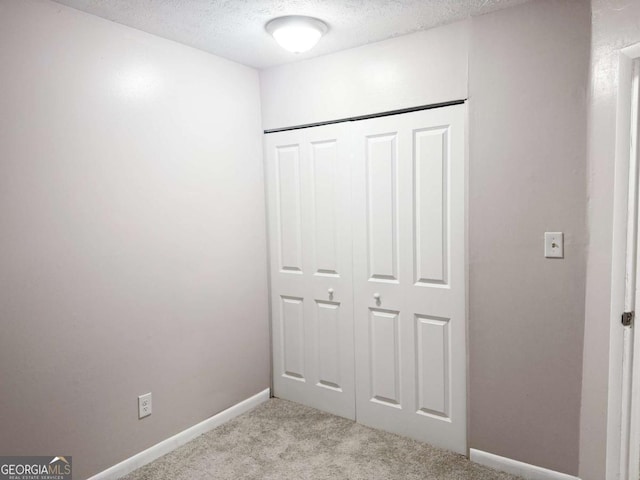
x=554 y=244
x=144 y=405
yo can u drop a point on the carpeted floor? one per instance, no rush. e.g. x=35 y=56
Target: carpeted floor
x=284 y=440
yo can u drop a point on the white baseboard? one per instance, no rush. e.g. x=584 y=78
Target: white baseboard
x=530 y=472
x=171 y=443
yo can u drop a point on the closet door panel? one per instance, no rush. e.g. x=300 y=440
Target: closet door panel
x=410 y=309
x=309 y=194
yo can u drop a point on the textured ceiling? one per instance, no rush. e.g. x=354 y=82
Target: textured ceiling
x=234 y=29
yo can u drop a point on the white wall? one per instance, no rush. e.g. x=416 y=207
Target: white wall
x=527 y=110
x=418 y=69
x=132 y=236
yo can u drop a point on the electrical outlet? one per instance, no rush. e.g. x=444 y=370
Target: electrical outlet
x=144 y=405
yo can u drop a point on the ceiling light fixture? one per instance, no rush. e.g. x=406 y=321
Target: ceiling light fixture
x=297 y=33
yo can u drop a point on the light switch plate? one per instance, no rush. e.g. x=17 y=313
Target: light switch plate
x=554 y=244
x=144 y=405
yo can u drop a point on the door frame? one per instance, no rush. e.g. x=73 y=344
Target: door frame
x=623 y=437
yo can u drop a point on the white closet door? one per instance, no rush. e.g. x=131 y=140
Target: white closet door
x=409 y=275
x=309 y=198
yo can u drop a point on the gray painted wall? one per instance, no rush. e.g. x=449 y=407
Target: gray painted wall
x=132 y=247
x=615 y=25
x=527 y=83
x=132 y=236
x=528 y=71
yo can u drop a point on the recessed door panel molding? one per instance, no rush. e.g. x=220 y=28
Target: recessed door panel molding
x=382 y=215
x=430 y=189
x=385 y=357
x=289 y=209
x=328 y=344
x=292 y=328
x=432 y=369
x=324 y=164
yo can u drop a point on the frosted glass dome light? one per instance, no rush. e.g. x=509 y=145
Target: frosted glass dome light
x=296 y=33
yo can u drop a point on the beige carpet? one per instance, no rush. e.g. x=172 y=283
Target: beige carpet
x=284 y=440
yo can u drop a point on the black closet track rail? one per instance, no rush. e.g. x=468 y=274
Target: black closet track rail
x=371 y=115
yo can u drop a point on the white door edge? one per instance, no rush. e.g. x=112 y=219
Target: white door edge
x=620 y=433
